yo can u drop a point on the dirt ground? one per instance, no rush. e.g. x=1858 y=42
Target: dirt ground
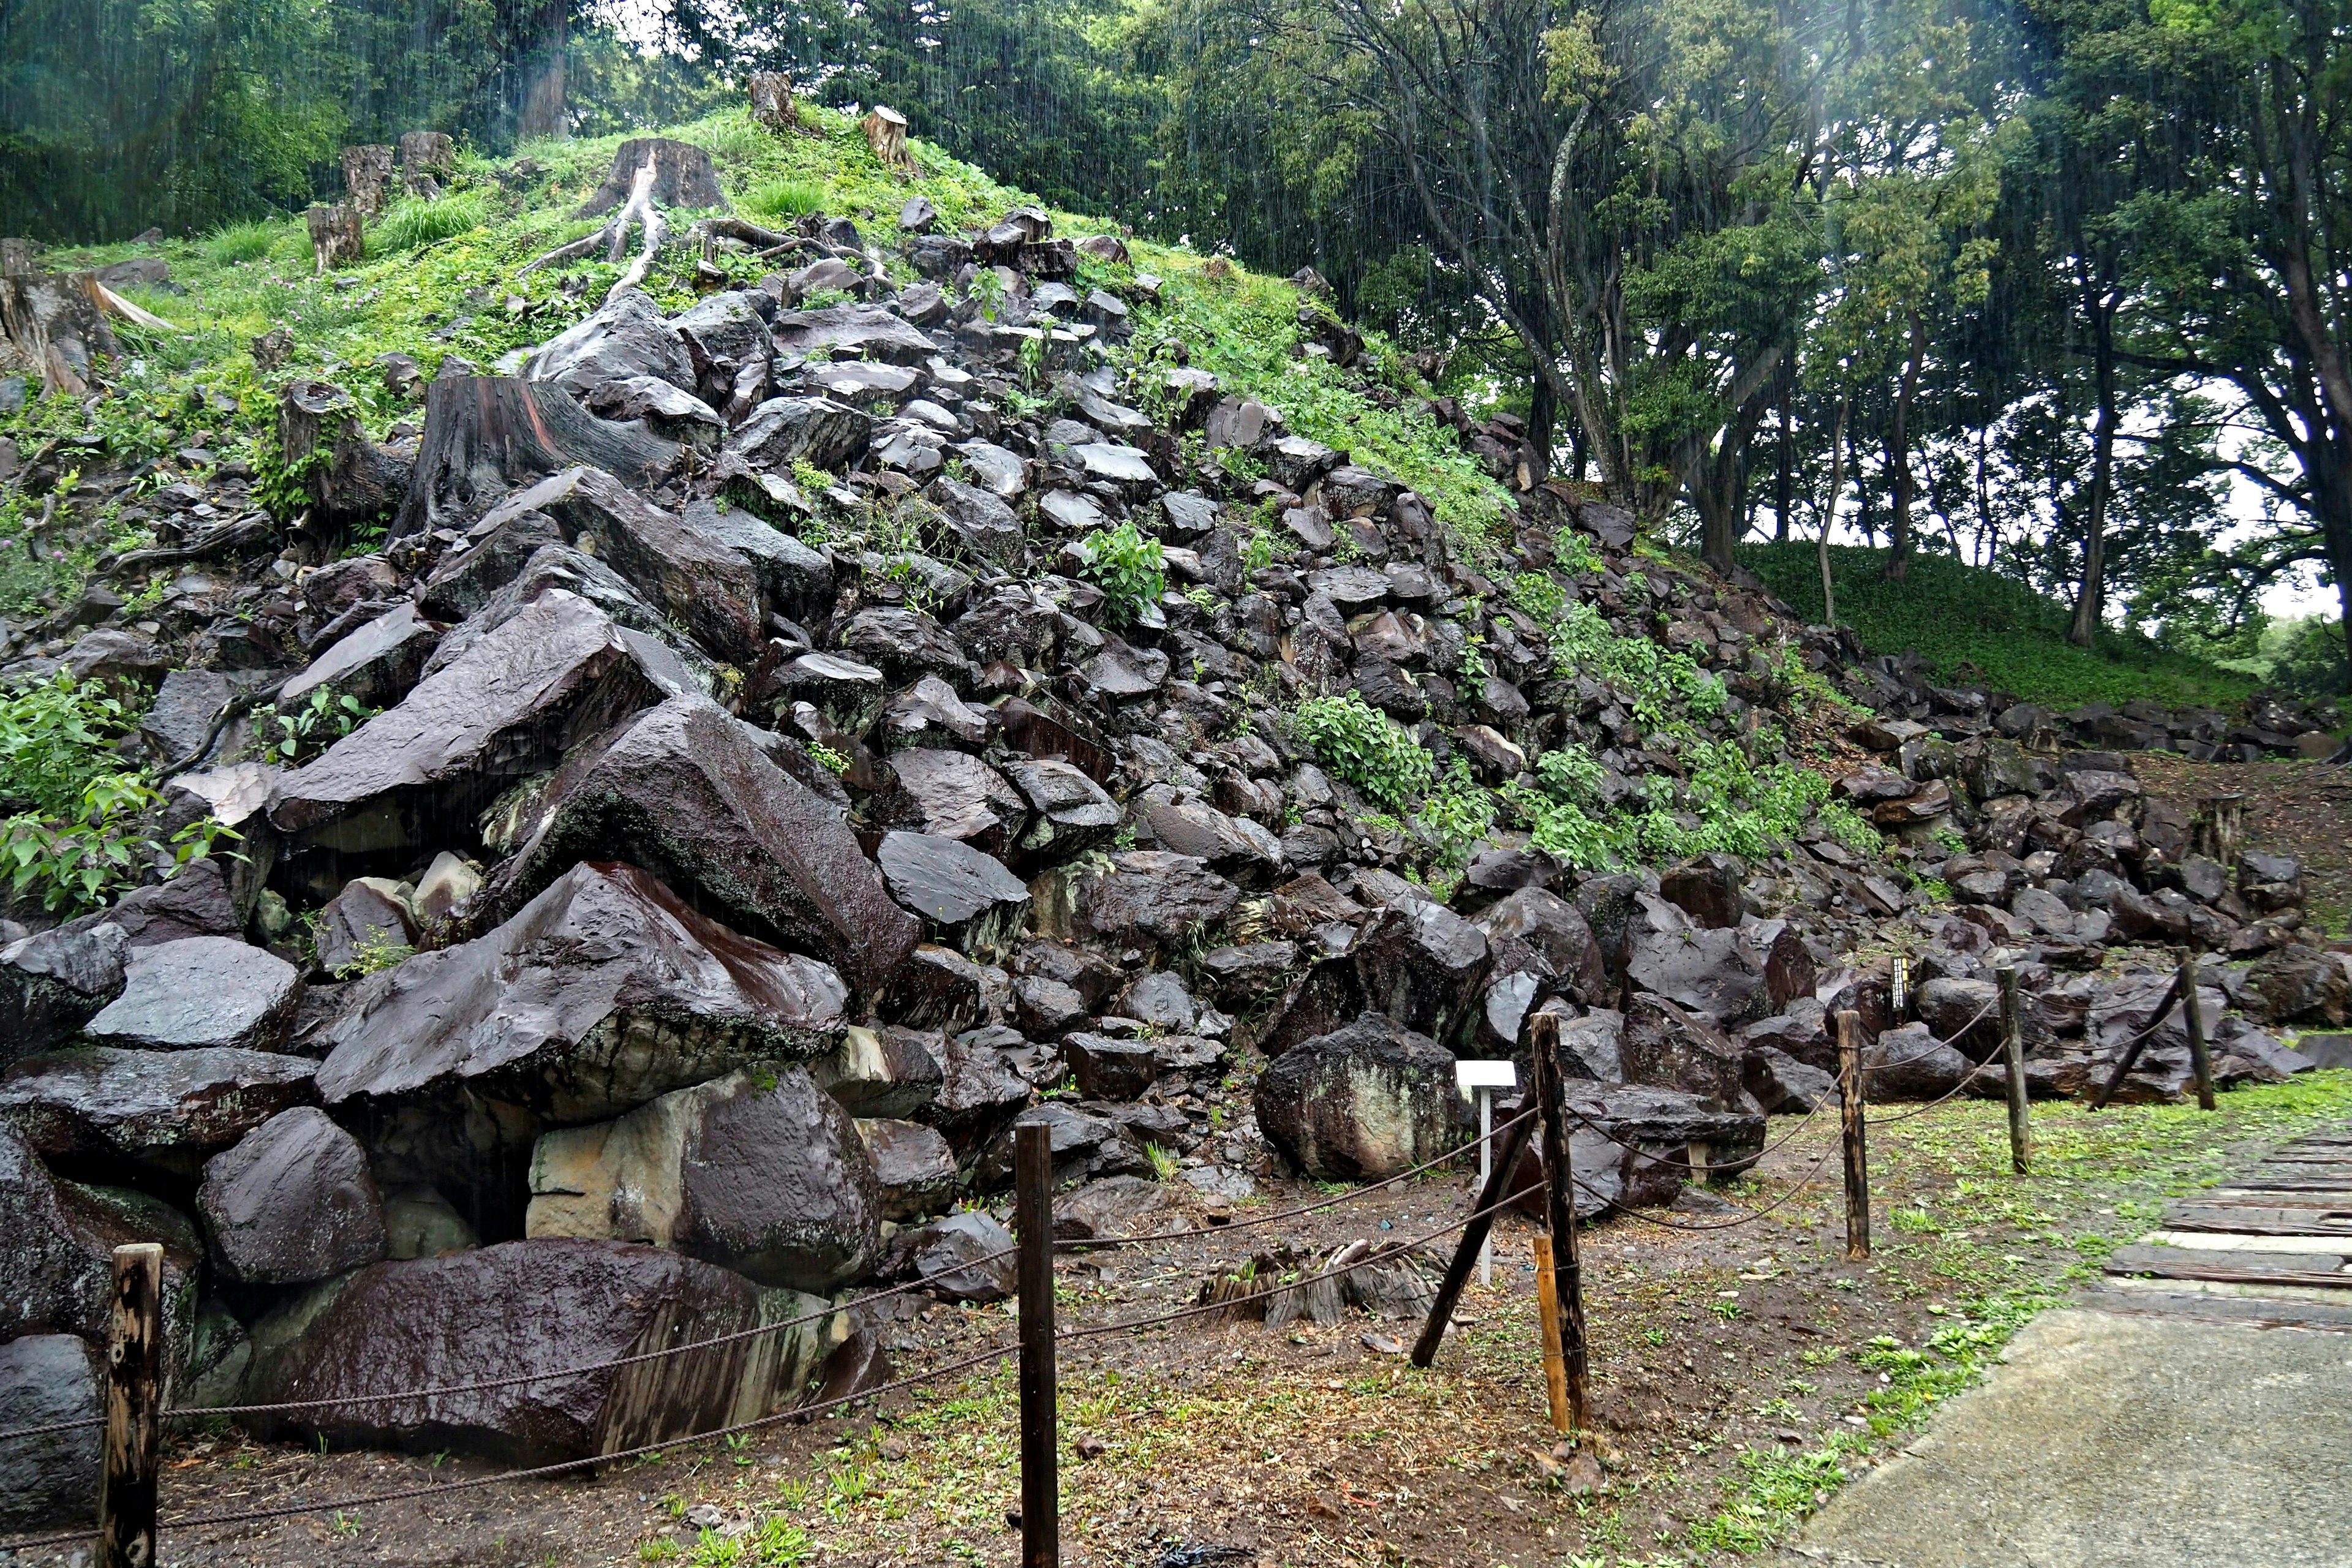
x=2303 y=809
x=1740 y=1376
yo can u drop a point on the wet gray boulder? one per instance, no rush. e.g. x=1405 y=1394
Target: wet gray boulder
x=762 y=1174
x=1780 y=1083
x=514 y=1310
x=60 y=1241
x=200 y=991
x=886 y=1069
x=627 y=337
x=1233 y=847
x=796 y=580
x=1083 y=1146
x=855 y=331
x=967 y=898
x=950 y=795
x=1070 y=814
x=291 y=1202
x=364 y=926
x=979 y=1092
x=103 y=1109
x=1017 y=623
x=1111 y=1068
x=905 y=645
x=508 y=707
x=684 y=790
x=602 y=993
x=1147 y=896
x=1425 y=967
x=848 y=693
x=53 y=982
x=1911 y=1063
x=983 y=524
x=2301 y=984
x=1543 y=934
x=1116 y=1206
x=787 y=430
x=914 y=1167
x=688 y=572
x=1669 y=1047
x=928 y=714
x=53 y=1478
x=1365 y=1101
x=375 y=665
x=963 y=1258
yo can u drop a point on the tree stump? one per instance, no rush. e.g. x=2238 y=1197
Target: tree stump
x=426 y=158
x=773 y=103
x=683 y=177
x=367 y=180
x=53 y=321
x=885 y=132
x=486 y=435
x=336 y=237
x=349 y=478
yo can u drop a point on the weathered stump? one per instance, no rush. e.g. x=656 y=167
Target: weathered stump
x=773 y=103
x=486 y=435
x=348 y=477
x=426 y=158
x=367 y=180
x=53 y=321
x=885 y=132
x=336 y=237
x=683 y=176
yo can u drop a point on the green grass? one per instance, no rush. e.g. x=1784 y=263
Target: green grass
x=784 y=199
x=1976 y=625
x=412 y=224
x=248 y=241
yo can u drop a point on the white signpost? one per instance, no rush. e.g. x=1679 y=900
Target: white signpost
x=1483 y=1078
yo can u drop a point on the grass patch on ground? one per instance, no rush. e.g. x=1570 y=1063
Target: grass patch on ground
x=1978 y=625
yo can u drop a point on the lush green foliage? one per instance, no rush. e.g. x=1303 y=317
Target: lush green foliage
x=310 y=729
x=1125 y=565
x=413 y=223
x=1362 y=746
x=56 y=737
x=1975 y=624
x=1660 y=683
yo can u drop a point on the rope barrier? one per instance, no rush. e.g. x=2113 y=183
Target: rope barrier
x=800 y=1413
x=519 y=1379
x=81 y=1424
x=1349 y=1196
x=1804 y=1121
x=1368 y=1261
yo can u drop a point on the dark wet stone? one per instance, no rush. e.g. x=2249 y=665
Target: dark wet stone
x=163 y=1111
x=200 y=991
x=555 y=1010
x=291 y=1202
x=967 y=898
x=1365 y=1101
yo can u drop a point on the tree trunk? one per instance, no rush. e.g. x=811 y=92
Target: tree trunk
x=1829 y=516
x=885 y=133
x=1898 y=457
x=773 y=103
x=539 y=111
x=2090 y=598
x=2332 y=493
x=1543 y=414
x=1784 y=483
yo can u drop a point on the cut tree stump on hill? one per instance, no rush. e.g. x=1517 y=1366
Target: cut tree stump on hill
x=56 y=322
x=773 y=104
x=353 y=480
x=885 y=132
x=426 y=158
x=683 y=176
x=367 y=179
x=336 y=238
x=638 y=209
x=488 y=435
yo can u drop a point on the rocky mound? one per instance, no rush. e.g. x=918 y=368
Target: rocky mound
x=821 y=728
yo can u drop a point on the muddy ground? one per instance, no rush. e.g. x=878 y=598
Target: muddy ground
x=1739 y=1375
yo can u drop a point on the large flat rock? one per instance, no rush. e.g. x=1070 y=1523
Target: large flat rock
x=684 y=790
x=198 y=992
x=602 y=993
x=510 y=706
x=163 y=1111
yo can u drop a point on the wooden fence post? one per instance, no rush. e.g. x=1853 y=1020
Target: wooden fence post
x=2192 y=1013
x=1563 y=1419
x=2012 y=1052
x=1567 y=1272
x=1033 y=1217
x=1474 y=1236
x=134 y=1404
x=1857 y=1155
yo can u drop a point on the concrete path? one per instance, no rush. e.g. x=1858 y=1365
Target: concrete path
x=2194 y=1412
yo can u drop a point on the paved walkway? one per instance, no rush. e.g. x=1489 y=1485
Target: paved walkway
x=2195 y=1410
